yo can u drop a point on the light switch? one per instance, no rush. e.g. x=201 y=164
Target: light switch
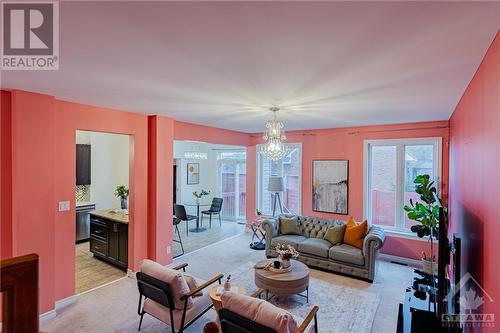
x=63 y=206
x=169 y=249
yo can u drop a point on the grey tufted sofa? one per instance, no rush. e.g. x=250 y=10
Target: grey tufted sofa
x=317 y=252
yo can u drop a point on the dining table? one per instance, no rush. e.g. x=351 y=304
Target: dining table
x=198 y=216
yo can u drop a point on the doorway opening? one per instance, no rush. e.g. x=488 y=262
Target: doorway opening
x=101 y=190
x=218 y=171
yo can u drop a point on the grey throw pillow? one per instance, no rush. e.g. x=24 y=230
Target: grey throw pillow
x=335 y=234
x=289 y=225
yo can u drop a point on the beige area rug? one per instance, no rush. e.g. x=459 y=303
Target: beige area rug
x=341 y=309
x=346 y=304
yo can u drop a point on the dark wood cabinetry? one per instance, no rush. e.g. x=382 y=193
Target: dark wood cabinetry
x=83 y=164
x=109 y=240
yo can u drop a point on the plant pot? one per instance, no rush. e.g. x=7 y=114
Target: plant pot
x=285 y=263
x=197 y=201
x=124 y=203
x=429 y=266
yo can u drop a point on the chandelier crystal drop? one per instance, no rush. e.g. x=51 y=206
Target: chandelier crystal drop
x=274 y=148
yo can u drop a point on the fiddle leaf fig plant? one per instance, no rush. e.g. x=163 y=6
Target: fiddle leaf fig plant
x=427 y=212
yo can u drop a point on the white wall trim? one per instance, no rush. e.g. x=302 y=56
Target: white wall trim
x=408 y=261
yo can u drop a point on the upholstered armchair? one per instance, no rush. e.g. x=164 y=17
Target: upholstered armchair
x=247 y=314
x=171 y=295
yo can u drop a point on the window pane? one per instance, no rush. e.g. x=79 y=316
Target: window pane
x=419 y=160
x=243 y=189
x=291 y=175
x=228 y=178
x=383 y=180
x=289 y=169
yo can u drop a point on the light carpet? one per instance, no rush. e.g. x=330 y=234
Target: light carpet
x=341 y=309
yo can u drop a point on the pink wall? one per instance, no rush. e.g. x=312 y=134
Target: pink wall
x=33 y=185
x=347 y=143
x=194 y=132
x=69 y=118
x=474 y=186
x=160 y=187
x=5 y=176
x=43 y=173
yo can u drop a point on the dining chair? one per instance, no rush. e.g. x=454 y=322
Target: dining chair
x=215 y=209
x=180 y=213
x=176 y=222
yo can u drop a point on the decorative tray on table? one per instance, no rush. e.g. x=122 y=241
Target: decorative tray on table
x=269 y=266
x=279 y=270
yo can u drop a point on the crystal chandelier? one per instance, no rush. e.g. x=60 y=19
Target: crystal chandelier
x=274 y=148
x=195 y=155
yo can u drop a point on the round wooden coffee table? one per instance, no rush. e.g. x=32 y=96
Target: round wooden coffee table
x=291 y=283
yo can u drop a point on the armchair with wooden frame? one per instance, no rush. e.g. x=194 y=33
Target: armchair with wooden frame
x=156 y=297
x=233 y=322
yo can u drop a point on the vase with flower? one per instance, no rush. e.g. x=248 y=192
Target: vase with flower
x=199 y=195
x=285 y=254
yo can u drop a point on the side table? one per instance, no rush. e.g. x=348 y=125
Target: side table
x=216 y=300
x=259 y=233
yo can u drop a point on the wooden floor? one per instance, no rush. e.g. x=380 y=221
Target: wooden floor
x=212 y=235
x=92 y=272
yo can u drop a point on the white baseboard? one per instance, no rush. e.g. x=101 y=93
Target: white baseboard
x=402 y=260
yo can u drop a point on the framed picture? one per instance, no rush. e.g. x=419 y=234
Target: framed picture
x=330 y=186
x=193 y=173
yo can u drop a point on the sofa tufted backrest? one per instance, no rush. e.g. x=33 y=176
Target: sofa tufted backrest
x=316 y=227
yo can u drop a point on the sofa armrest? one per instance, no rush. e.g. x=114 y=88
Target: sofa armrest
x=374 y=239
x=270 y=225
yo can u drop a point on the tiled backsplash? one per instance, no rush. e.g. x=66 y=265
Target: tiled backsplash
x=82 y=193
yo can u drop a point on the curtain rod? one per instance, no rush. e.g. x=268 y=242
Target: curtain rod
x=358 y=132
x=400 y=130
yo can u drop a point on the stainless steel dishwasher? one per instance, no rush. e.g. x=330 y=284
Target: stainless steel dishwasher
x=83 y=222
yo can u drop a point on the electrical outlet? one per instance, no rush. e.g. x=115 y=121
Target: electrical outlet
x=169 y=249
x=63 y=206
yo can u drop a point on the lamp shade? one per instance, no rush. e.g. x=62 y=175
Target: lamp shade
x=275 y=184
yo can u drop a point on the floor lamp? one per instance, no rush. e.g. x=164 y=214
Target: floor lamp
x=276 y=186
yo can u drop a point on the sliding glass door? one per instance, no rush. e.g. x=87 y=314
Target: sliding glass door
x=232 y=186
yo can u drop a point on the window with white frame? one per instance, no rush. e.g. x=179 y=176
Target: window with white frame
x=390 y=168
x=290 y=168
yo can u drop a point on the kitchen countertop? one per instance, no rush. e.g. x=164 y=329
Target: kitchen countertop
x=83 y=203
x=111 y=215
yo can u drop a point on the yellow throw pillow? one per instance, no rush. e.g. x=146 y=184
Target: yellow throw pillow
x=355 y=233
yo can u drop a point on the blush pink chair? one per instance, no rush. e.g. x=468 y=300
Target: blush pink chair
x=245 y=314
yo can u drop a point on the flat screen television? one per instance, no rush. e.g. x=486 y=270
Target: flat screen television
x=449 y=273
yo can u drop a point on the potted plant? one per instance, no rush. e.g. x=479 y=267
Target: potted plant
x=122 y=193
x=426 y=214
x=285 y=253
x=199 y=195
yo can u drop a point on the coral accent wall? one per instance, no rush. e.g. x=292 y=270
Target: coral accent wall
x=348 y=143
x=474 y=185
x=5 y=176
x=194 y=132
x=161 y=155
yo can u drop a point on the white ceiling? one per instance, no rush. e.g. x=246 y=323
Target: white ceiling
x=327 y=64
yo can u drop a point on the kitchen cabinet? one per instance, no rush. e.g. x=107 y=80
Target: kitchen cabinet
x=109 y=239
x=83 y=164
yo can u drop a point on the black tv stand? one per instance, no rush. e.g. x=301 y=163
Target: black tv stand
x=418 y=312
